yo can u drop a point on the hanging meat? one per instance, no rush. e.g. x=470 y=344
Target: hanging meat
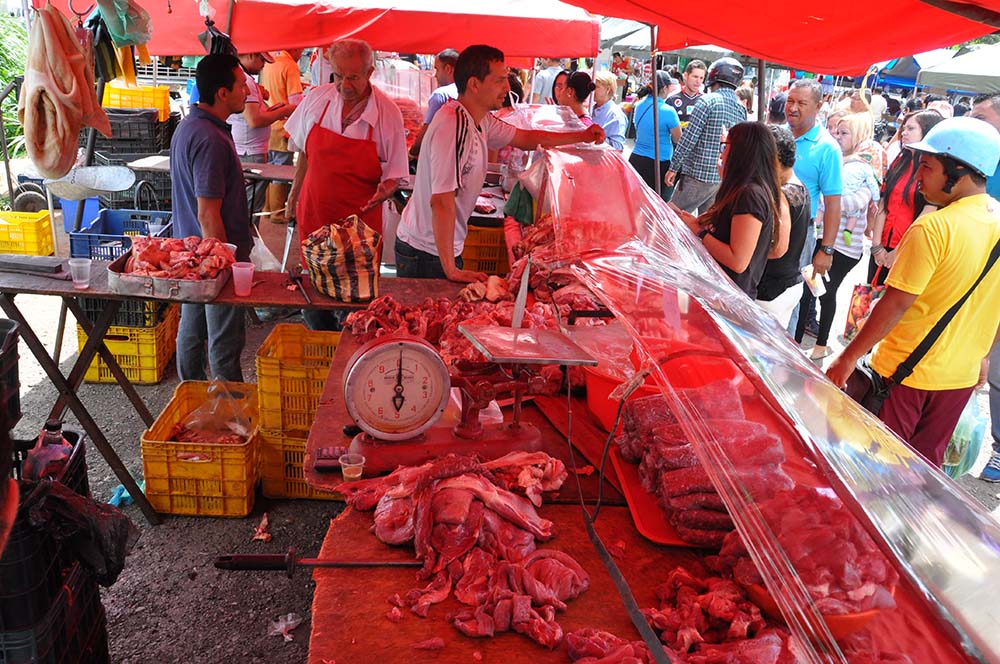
x=58 y=96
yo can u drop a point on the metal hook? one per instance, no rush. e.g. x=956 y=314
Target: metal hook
x=86 y=12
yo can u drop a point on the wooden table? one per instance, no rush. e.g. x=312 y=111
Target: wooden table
x=350 y=605
x=251 y=170
x=546 y=413
x=271 y=289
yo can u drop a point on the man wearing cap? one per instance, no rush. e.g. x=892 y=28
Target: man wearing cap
x=939 y=259
x=252 y=127
x=352 y=150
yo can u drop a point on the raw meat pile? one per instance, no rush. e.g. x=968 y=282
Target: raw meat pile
x=494 y=289
x=58 y=95
x=437 y=321
x=669 y=466
x=700 y=620
x=476 y=537
x=837 y=560
x=413 y=119
x=191 y=258
x=183 y=434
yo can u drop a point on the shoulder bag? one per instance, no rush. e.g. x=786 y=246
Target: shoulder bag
x=870 y=389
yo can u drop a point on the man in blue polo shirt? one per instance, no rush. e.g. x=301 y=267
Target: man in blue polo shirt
x=818 y=165
x=209 y=200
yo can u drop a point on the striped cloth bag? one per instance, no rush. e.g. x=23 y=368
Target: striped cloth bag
x=343 y=260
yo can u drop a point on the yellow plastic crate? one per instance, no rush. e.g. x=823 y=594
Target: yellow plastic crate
x=486 y=251
x=281 y=474
x=221 y=482
x=27 y=233
x=119 y=95
x=142 y=352
x=292 y=366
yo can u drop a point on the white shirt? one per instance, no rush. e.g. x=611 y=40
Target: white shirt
x=381 y=114
x=452 y=159
x=544 y=80
x=879 y=104
x=249 y=141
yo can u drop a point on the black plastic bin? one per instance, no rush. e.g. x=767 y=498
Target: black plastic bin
x=10 y=382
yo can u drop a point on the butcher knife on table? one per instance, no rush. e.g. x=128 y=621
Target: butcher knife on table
x=289 y=561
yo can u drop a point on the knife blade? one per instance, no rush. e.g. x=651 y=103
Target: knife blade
x=522 y=296
x=297 y=280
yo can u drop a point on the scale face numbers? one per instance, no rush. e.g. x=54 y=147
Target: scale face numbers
x=396 y=387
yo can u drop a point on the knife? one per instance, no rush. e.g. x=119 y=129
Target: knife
x=297 y=280
x=522 y=297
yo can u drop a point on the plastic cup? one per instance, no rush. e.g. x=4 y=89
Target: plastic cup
x=814 y=281
x=79 y=269
x=242 y=278
x=352 y=466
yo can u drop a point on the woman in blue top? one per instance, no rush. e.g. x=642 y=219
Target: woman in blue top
x=643 y=154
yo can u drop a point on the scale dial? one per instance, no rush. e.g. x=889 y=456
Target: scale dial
x=396 y=387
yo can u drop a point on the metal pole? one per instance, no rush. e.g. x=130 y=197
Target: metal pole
x=656 y=113
x=761 y=90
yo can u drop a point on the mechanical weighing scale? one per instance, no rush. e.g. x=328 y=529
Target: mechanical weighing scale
x=396 y=389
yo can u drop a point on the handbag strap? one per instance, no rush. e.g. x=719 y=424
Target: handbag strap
x=907 y=366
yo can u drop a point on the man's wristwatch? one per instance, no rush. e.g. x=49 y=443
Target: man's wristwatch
x=826 y=249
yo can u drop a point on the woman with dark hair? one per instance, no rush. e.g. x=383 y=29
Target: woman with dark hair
x=901 y=201
x=749 y=221
x=571 y=88
x=643 y=157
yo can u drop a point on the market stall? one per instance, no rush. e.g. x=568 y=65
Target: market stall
x=837 y=541
x=973 y=71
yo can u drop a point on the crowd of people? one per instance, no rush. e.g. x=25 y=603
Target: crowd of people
x=772 y=202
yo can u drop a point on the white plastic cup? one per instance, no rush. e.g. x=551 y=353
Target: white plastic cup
x=242 y=278
x=79 y=269
x=352 y=466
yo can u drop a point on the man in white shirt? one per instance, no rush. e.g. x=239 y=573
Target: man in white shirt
x=252 y=127
x=352 y=149
x=452 y=167
x=879 y=104
x=444 y=72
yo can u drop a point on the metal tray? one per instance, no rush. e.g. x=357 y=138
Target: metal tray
x=184 y=290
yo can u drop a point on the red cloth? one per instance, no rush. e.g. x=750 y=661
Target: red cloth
x=899 y=210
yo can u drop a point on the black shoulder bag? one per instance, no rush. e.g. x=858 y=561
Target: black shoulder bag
x=870 y=389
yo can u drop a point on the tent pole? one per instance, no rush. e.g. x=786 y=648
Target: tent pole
x=761 y=90
x=656 y=113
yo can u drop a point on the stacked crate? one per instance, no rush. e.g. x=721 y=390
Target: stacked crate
x=143 y=332
x=50 y=607
x=292 y=366
x=201 y=479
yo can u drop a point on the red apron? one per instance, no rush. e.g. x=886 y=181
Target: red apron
x=342 y=176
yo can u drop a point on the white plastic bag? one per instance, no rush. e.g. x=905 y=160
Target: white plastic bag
x=261 y=257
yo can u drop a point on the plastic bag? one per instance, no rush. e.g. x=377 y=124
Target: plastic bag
x=127 y=22
x=967 y=441
x=222 y=419
x=546 y=117
x=410 y=89
x=261 y=257
x=99 y=536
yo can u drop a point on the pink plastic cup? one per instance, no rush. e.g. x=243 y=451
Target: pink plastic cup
x=242 y=278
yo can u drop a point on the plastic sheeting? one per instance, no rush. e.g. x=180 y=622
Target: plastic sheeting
x=852 y=523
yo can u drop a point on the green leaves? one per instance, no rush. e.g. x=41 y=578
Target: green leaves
x=13 y=56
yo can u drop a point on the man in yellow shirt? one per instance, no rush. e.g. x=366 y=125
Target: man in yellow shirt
x=283 y=82
x=939 y=259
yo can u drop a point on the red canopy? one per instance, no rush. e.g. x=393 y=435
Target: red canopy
x=825 y=37
x=517 y=27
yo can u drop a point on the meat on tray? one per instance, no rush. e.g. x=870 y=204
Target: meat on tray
x=191 y=258
x=699 y=619
x=760 y=481
x=477 y=538
x=837 y=560
x=660 y=456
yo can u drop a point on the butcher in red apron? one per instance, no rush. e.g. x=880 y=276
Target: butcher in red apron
x=352 y=147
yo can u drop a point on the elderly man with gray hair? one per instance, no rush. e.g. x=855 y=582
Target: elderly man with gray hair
x=352 y=149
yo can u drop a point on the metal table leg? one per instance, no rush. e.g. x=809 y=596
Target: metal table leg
x=95 y=342
x=67 y=392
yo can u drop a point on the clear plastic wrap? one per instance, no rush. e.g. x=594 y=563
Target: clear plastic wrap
x=410 y=89
x=544 y=117
x=866 y=551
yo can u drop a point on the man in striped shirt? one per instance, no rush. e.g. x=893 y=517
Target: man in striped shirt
x=697 y=155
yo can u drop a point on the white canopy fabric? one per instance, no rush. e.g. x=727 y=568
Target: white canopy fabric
x=977 y=71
